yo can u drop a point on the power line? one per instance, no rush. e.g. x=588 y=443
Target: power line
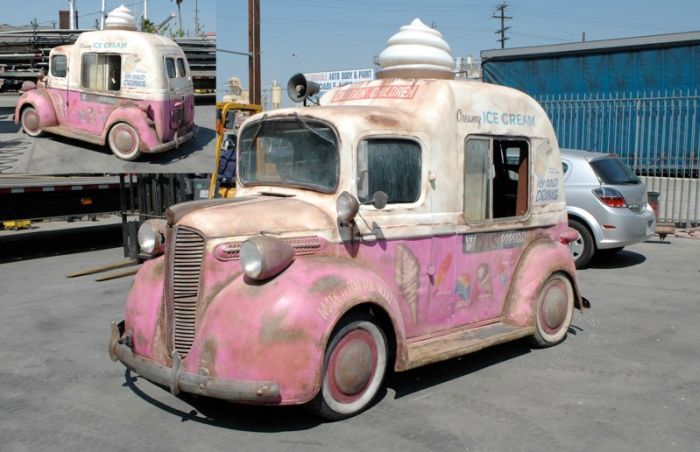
x=502 y=8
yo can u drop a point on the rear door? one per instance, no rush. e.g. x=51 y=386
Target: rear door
x=176 y=75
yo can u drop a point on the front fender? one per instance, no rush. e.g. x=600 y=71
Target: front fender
x=144 y=317
x=543 y=257
x=40 y=100
x=136 y=118
x=277 y=330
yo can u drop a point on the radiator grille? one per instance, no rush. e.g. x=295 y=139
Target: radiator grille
x=187 y=264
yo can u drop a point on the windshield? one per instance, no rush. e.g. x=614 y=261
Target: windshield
x=613 y=171
x=291 y=152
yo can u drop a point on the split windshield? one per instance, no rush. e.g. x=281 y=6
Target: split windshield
x=296 y=151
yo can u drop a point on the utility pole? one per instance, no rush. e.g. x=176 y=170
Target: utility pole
x=254 y=50
x=197 y=30
x=502 y=8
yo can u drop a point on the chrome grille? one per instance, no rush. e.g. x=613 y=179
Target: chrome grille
x=187 y=264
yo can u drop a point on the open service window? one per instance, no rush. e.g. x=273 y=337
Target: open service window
x=391 y=165
x=101 y=72
x=496 y=178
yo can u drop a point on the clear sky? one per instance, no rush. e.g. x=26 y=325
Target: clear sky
x=46 y=12
x=325 y=35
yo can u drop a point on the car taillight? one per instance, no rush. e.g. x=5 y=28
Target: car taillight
x=610 y=197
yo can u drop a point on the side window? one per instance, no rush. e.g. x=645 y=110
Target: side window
x=101 y=72
x=389 y=165
x=59 y=65
x=181 y=70
x=170 y=67
x=496 y=178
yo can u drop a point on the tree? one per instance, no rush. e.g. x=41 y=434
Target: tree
x=179 y=16
x=147 y=26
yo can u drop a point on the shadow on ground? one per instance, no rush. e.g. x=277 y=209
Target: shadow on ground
x=233 y=416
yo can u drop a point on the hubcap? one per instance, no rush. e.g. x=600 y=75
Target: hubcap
x=124 y=140
x=352 y=366
x=554 y=307
x=576 y=247
x=31 y=120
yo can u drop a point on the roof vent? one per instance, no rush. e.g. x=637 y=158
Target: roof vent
x=417 y=51
x=120 y=19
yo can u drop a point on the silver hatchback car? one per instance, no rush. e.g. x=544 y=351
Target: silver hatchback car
x=606 y=202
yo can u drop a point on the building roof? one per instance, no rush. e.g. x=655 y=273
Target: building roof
x=598 y=46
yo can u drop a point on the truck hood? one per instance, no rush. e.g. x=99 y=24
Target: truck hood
x=249 y=215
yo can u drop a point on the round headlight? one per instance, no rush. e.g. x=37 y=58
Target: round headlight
x=347 y=207
x=151 y=236
x=264 y=257
x=251 y=259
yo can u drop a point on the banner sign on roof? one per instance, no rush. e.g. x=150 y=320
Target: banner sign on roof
x=333 y=79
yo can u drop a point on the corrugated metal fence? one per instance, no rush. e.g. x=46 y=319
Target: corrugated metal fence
x=656 y=133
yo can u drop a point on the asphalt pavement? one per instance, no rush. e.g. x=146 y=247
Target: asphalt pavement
x=53 y=154
x=627 y=378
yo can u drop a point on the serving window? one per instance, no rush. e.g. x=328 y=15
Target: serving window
x=496 y=178
x=101 y=72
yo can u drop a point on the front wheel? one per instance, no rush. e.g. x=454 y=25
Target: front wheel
x=555 y=309
x=583 y=248
x=124 y=141
x=31 y=122
x=353 y=369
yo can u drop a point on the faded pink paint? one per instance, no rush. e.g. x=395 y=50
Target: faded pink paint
x=143 y=307
x=277 y=330
x=96 y=113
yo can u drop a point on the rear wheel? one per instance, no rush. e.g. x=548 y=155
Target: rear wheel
x=124 y=141
x=31 y=122
x=353 y=368
x=555 y=309
x=583 y=248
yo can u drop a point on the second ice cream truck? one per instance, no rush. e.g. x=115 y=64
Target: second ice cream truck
x=403 y=221
x=127 y=89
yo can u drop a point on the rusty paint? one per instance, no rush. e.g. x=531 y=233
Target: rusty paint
x=327 y=284
x=207 y=357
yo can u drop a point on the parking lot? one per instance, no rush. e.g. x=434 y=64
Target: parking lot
x=53 y=154
x=626 y=378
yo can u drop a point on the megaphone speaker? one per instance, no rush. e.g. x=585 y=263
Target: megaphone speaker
x=299 y=89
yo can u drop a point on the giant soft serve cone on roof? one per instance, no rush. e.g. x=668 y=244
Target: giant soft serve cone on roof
x=120 y=18
x=417 y=51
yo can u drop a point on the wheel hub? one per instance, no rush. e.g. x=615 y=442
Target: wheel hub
x=353 y=367
x=123 y=140
x=554 y=307
x=31 y=120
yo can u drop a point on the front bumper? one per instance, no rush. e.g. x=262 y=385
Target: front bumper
x=175 y=142
x=253 y=392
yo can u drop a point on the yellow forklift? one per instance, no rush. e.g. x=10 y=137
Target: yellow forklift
x=229 y=117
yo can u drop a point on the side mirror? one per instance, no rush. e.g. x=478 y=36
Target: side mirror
x=347 y=207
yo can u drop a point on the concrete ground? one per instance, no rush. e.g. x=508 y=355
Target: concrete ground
x=53 y=154
x=626 y=379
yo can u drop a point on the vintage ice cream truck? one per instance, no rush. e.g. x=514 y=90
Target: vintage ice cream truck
x=128 y=89
x=403 y=221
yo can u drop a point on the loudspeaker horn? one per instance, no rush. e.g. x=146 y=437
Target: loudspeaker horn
x=299 y=89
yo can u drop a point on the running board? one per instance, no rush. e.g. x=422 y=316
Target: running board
x=463 y=341
x=75 y=134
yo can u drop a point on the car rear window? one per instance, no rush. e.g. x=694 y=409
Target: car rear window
x=613 y=171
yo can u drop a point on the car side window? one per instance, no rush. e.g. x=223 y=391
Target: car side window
x=170 y=67
x=59 y=65
x=181 y=69
x=391 y=165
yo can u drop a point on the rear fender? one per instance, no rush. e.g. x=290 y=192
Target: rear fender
x=277 y=330
x=543 y=257
x=588 y=220
x=136 y=118
x=40 y=100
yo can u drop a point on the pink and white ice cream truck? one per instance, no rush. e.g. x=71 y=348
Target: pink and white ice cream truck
x=403 y=221
x=128 y=89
